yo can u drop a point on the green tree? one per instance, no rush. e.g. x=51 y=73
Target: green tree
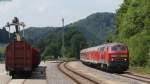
x=133 y=29
x=74 y=41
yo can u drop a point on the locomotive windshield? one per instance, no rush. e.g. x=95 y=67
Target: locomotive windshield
x=118 y=48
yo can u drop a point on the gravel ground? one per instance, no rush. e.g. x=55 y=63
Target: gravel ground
x=54 y=76
x=2 y=69
x=36 y=78
x=106 y=78
x=31 y=81
x=4 y=78
x=39 y=76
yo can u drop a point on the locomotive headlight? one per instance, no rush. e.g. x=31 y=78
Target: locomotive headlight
x=125 y=59
x=112 y=59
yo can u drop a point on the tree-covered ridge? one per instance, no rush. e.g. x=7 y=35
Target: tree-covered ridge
x=34 y=34
x=4 y=36
x=93 y=30
x=133 y=29
x=2 y=50
x=96 y=27
x=87 y=32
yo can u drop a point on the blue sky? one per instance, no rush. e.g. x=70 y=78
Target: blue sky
x=50 y=12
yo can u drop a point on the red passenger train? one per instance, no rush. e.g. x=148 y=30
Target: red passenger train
x=111 y=56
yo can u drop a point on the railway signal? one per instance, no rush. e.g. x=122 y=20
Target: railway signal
x=15 y=22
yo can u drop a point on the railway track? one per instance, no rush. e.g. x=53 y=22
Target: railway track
x=39 y=73
x=78 y=78
x=135 y=77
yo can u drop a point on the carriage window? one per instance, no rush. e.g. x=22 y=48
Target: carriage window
x=114 y=48
x=118 y=48
x=101 y=49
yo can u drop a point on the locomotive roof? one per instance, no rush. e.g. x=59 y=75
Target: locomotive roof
x=97 y=47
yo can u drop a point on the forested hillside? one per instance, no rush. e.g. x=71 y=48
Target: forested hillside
x=133 y=29
x=2 y=49
x=34 y=34
x=91 y=31
x=96 y=27
x=4 y=36
x=53 y=46
x=4 y=39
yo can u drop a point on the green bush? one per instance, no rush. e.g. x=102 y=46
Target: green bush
x=138 y=49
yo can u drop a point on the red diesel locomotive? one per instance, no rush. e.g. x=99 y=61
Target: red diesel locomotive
x=111 y=56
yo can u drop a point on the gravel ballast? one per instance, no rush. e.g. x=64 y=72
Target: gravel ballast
x=106 y=78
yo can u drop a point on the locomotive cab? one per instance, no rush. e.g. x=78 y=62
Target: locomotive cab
x=119 y=59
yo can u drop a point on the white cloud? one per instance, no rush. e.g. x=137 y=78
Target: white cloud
x=6 y=7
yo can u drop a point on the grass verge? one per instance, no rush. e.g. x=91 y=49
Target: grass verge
x=140 y=70
x=2 y=48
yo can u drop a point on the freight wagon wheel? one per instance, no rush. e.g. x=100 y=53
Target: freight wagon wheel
x=11 y=73
x=27 y=74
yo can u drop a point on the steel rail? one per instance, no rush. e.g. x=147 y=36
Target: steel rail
x=72 y=78
x=135 y=77
x=76 y=73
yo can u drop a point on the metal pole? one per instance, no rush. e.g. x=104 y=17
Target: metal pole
x=63 y=37
x=23 y=31
x=9 y=32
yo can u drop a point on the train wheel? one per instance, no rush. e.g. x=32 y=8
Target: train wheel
x=102 y=67
x=12 y=74
x=108 y=69
x=99 y=66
